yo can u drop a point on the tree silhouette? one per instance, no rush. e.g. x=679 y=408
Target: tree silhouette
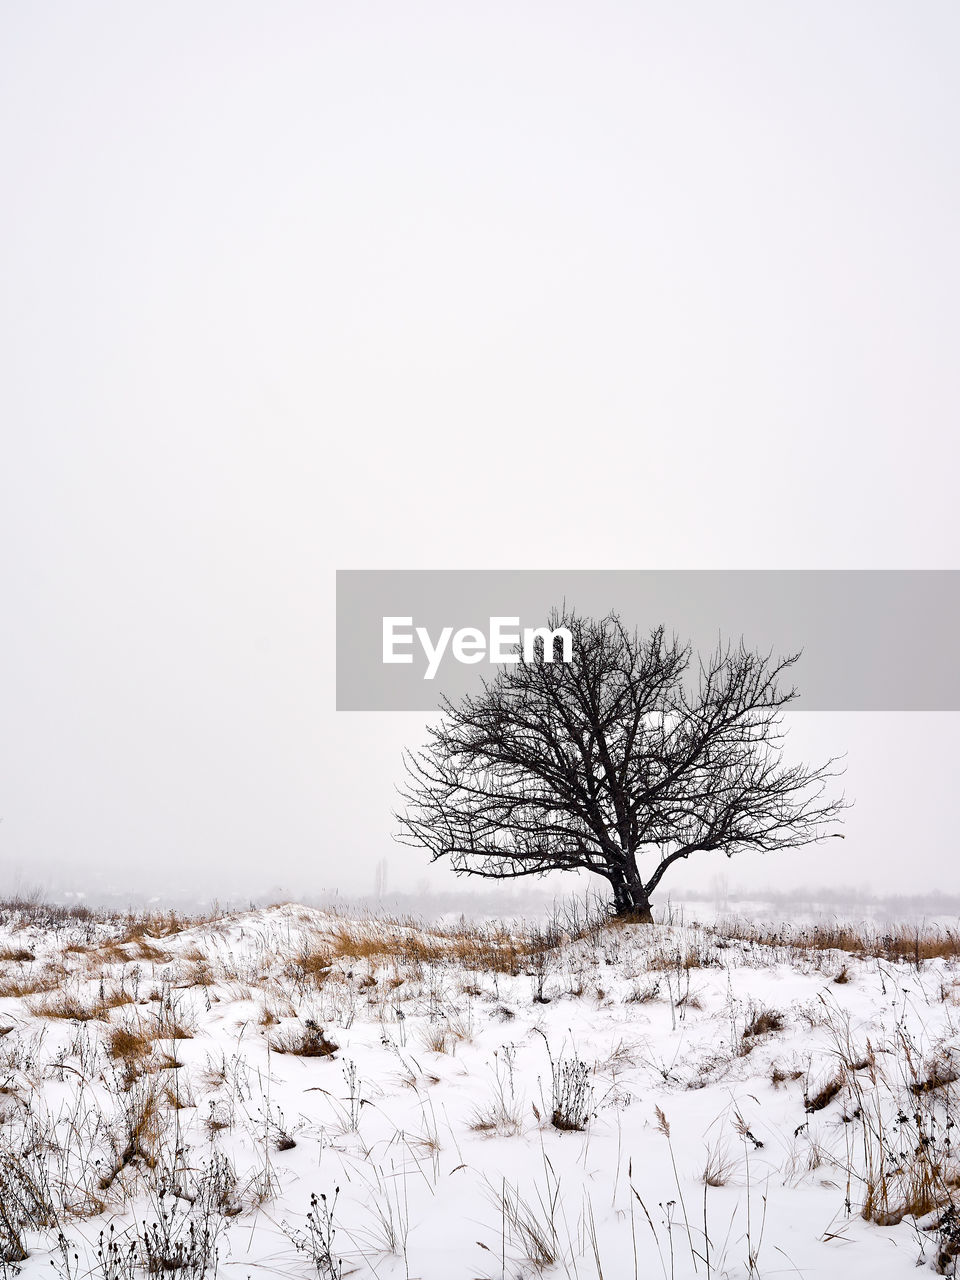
x=622 y=762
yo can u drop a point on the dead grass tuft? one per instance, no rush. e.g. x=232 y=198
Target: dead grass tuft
x=313 y=964
x=940 y=1073
x=72 y=1008
x=780 y=1075
x=719 y=1168
x=305 y=1041
x=906 y=944
x=763 y=1022
x=826 y=1093
x=132 y=1045
x=499 y=1118
x=160 y=925
x=29 y=984
x=138 y=1136
x=476 y=948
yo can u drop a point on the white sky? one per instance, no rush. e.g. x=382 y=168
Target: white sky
x=300 y=286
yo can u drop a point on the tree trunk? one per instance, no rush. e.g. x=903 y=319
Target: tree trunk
x=630 y=902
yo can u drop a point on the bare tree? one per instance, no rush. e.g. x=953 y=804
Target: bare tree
x=622 y=762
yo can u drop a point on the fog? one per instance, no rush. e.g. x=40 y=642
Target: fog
x=300 y=287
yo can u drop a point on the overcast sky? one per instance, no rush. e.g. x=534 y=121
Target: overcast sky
x=290 y=287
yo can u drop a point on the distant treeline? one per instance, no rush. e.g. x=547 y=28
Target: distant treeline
x=519 y=900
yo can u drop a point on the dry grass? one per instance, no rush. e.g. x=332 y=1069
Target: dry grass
x=139 y=1134
x=68 y=1007
x=76 y=1007
x=114 y=952
x=719 y=1168
x=408 y=942
x=437 y=1039
x=781 y=1075
x=922 y=1184
x=763 y=1022
x=30 y=909
x=116 y=998
x=171 y=1026
x=29 y=984
x=177 y=1100
x=644 y=992
x=499 y=1119
x=143 y=950
x=905 y=944
x=314 y=963
x=362 y=943
x=685 y=958
x=274 y=1009
x=443 y=1037
x=826 y=1093
x=128 y=1043
x=305 y=1041
x=624 y=1056
x=939 y=1073
x=160 y=925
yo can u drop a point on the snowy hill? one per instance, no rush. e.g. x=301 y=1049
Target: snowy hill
x=576 y=1098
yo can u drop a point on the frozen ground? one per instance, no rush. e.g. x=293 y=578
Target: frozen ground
x=574 y=1099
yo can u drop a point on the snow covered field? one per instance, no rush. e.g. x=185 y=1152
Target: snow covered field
x=575 y=1098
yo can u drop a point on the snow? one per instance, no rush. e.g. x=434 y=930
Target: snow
x=434 y=1117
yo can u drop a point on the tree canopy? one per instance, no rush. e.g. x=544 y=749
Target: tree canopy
x=621 y=762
